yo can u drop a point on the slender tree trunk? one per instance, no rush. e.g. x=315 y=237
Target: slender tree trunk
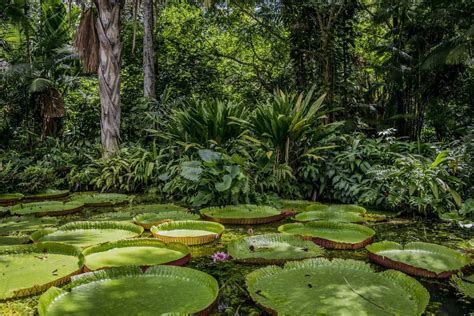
x=110 y=56
x=148 y=50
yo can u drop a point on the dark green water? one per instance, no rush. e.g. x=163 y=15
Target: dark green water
x=234 y=299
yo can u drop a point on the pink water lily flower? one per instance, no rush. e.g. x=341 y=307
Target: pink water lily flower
x=220 y=256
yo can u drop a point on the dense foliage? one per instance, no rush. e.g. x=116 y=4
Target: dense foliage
x=347 y=101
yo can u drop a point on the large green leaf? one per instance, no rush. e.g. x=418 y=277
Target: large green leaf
x=337 y=208
x=47 y=208
x=188 y=232
x=160 y=290
x=418 y=258
x=332 y=234
x=100 y=199
x=25 y=223
x=225 y=184
x=88 y=233
x=147 y=220
x=49 y=194
x=134 y=252
x=30 y=269
x=13 y=240
x=9 y=198
x=113 y=216
x=273 y=248
x=332 y=216
x=297 y=205
x=242 y=214
x=338 y=287
x=209 y=156
x=151 y=208
x=191 y=170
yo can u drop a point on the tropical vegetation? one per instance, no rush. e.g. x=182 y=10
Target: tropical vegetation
x=333 y=139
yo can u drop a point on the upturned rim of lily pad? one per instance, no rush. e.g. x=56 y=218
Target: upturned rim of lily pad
x=138 y=242
x=377 y=248
x=42 y=248
x=215 y=231
x=212 y=214
x=328 y=243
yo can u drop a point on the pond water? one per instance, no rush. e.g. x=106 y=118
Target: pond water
x=233 y=297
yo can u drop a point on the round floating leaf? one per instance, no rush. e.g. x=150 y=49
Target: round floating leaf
x=160 y=290
x=93 y=199
x=337 y=287
x=147 y=220
x=25 y=223
x=188 y=232
x=47 y=208
x=464 y=284
x=245 y=214
x=337 y=208
x=332 y=235
x=325 y=215
x=418 y=258
x=151 y=208
x=13 y=240
x=31 y=269
x=135 y=252
x=273 y=249
x=10 y=198
x=49 y=194
x=88 y=233
x=114 y=217
x=297 y=205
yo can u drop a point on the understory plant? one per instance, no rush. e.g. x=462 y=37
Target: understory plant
x=213 y=179
x=416 y=184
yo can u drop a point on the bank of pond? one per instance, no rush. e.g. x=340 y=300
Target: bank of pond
x=103 y=254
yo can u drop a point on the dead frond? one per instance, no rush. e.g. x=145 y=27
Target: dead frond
x=87 y=41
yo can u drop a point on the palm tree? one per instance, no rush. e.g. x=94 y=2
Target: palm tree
x=100 y=48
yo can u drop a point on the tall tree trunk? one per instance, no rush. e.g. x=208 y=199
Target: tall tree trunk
x=110 y=56
x=148 y=51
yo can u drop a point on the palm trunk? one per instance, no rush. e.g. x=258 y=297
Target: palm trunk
x=148 y=51
x=110 y=51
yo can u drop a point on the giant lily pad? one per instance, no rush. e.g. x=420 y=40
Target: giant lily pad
x=142 y=252
x=31 y=269
x=338 y=287
x=47 y=208
x=297 y=205
x=13 y=240
x=464 y=284
x=151 y=208
x=245 y=214
x=418 y=258
x=272 y=249
x=25 y=223
x=113 y=216
x=332 y=235
x=147 y=220
x=92 y=199
x=85 y=234
x=344 y=217
x=10 y=198
x=188 y=232
x=160 y=290
x=49 y=194
x=337 y=208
